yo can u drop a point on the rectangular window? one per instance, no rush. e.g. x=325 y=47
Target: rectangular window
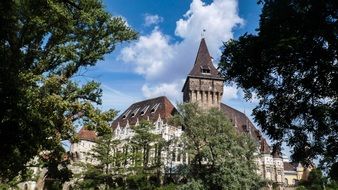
x=178 y=156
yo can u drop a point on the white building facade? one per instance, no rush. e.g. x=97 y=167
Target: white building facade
x=203 y=86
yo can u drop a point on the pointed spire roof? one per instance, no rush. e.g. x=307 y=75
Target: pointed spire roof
x=203 y=66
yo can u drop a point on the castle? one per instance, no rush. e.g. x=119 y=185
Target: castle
x=203 y=86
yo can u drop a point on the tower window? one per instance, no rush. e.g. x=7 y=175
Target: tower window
x=205 y=70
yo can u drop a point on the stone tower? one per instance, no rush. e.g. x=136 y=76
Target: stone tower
x=204 y=84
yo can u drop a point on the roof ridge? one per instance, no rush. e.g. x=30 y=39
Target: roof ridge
x=232 y=108
x=159 y=97
x=158 y=105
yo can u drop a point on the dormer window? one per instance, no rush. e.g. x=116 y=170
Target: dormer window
x=135 y=112
x=126 y=114
x=154 y=108
x=144 y=110
x=246 y=128
x=205 y=70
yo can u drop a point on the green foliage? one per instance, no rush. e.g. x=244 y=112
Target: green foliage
x=316 y=181
x=44 y=44
x=56 y=166
x=170 y=186
x=106 y=169
x=25 y=175
x=124 y=164
x=220 y=157
x=146 y=169
x=291 y=66
x=301 y=188
x=192 y=185
x=333 y=173
x=333 y=185
x=144 y=141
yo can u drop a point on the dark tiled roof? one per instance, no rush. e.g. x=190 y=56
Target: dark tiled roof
x=151 y=109
x=276 y=152
x=85 y=134
x=244 y=125
x=264 y=147
x=203 y=61
x=148 y=109
x=288 y=166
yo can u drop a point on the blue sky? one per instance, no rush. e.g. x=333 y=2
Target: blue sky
x=169 y=34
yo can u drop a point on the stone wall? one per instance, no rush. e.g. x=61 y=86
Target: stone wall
x=206 y=92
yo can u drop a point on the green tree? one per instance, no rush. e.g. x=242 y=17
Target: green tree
x=291 y=66
x=333 y=173
x=315 y=181
x=133 y=163
x=220 y=157
x=147 y=148
x=43 y=45
x=107 y=167
x=56 y=163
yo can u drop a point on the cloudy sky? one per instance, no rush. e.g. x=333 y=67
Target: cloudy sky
x=169 y=35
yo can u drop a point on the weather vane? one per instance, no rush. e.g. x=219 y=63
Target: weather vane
x=203 y=33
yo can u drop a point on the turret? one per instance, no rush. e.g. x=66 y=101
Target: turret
x=203 y=85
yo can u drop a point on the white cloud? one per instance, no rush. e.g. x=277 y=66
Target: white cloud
x=217 y=18
x=161 y=61
x=170 y=90
x=116 y=99
x=230 y=92
x=149 y=54
x=152 y=19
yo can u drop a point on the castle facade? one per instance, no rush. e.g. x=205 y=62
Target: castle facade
x=203 y=86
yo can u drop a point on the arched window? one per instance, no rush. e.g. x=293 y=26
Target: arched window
x=286 y=182
x=25 y=187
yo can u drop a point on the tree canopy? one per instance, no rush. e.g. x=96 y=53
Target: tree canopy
x=291 y=66
x=220 y=157
x=43 y=46
x=103 y=171
x=133 y=163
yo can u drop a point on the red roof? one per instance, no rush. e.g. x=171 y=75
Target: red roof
x=244 y=125
x=288 y=166
x=149 y=109
x=85 y=134
x=264 y=147
x=203 y=61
